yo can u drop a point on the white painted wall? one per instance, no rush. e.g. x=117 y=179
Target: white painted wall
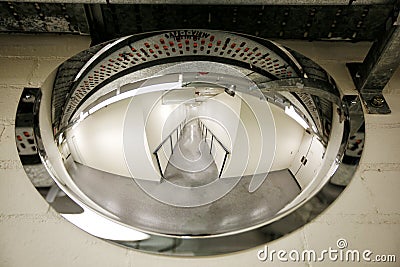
x=137 y=155
x=122 y=137
x=315 y=156
x=274 y=137
x=313 y=183
x=255 y=142
x=261 y=137
x=303 y=149
x=147 y=123
x=221 y=114
x=289 y=135
x=130 y=131
x=160 y=120
x=97 y=140
x=313 y=151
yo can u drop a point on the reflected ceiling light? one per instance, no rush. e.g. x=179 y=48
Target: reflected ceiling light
x=291 y=112
x=131 y=93
x=60 y=138
x=314 y=128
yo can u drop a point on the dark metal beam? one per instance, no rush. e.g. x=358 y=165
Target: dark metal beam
x=219 y=2
x=382 y=60
x=256 y=2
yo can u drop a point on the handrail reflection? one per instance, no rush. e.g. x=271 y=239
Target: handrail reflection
x=178 y=129
x=205 y=129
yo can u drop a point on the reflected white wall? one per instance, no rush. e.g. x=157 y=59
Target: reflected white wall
x=97 y=140
x=160 y=121
x=256 y=133
x=122 y=137
x=221 y=114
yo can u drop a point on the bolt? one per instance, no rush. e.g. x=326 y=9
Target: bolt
x=378 y=101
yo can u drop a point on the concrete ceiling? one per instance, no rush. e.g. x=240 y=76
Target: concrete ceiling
x=349 y=20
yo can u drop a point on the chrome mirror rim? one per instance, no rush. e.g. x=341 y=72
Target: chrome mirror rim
x=291 y=219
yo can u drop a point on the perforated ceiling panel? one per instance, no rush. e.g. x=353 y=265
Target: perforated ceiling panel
x=125 y=56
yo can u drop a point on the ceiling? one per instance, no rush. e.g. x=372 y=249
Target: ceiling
x=352 y=20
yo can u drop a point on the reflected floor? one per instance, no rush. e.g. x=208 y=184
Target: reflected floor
x=236 y=210
x=191 y=163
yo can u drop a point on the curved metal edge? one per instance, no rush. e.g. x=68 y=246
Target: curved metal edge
x=302 y=85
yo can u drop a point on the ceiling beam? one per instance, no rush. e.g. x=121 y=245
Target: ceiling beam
x=219 y=2
x=382 y=60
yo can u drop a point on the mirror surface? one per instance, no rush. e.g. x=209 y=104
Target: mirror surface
x=189 y=142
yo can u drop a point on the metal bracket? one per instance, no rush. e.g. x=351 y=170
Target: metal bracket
x=382 y=60
x=373 y=100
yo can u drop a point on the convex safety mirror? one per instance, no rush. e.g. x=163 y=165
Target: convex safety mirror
x=189 y=142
